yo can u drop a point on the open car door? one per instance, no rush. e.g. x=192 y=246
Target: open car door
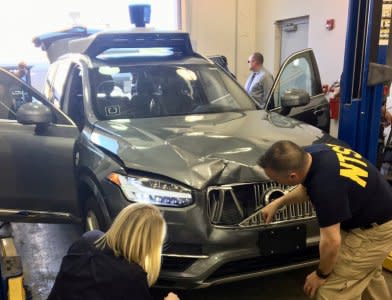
x=300 y=71
x=37 y=182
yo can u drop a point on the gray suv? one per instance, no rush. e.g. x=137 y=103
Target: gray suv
x=140 y=117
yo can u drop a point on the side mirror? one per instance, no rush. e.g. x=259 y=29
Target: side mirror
x=34 y=113
x=295 y=97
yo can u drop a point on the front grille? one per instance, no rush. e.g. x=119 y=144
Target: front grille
x=240 y=205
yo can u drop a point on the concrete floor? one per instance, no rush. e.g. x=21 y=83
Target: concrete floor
x=42 y=247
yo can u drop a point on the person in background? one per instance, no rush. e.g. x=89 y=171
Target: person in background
x=226 y=66
x=260 y=81
x=122 y=263
x=384 y=160
x=353 y=204
x=386 y=116
x=21 y=71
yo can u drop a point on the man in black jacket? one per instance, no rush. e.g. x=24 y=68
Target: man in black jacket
x=353 y=203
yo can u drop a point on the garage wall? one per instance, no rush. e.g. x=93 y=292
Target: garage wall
x=226 y=27
x=328 y=46
x=236 y=28
x=212 y=26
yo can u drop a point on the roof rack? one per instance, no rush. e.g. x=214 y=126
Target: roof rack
x=94 y=42
x=98 y=43
x=56 y=43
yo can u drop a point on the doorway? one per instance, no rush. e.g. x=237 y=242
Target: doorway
x=293 y=36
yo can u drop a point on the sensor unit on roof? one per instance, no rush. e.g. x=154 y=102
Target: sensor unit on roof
x=139 y=14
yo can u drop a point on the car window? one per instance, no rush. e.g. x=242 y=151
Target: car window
x=164 y=90
x=297 y=74
x=12 y=95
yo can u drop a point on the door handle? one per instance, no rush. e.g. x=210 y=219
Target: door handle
x=319 y=112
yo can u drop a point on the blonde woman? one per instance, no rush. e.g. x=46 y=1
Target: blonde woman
x=122 y=263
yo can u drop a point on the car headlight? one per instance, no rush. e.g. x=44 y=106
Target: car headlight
x=147 y=190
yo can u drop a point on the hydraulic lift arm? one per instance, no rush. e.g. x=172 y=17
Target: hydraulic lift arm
x=367 y=67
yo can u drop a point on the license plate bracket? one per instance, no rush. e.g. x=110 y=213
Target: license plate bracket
x=282 y=240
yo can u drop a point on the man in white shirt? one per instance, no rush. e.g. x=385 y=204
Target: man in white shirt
x=259 y=82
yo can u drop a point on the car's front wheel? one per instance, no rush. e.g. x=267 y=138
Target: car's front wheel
x=93 y=217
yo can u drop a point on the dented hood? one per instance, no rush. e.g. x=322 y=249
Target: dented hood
x=202 y=150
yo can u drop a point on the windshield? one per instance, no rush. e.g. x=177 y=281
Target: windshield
x=165 y=90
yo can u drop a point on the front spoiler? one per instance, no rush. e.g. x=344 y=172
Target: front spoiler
x=168 y=282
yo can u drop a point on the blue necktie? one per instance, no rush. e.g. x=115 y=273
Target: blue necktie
x=250 y=82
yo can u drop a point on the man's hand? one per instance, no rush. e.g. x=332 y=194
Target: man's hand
x=268 y=212
x=296 y=195
x=312 y=284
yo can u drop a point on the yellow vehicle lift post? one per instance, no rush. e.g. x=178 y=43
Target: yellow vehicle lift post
x=11 y=271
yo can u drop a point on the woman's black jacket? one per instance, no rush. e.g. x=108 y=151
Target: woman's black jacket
x=89 y=273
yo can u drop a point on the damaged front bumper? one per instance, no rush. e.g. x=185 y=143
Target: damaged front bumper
x=235 y=255
x=222 y=237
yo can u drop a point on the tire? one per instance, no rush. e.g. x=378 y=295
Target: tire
x=93 y=217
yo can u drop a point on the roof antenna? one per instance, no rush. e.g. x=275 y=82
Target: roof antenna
x=139 y=14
